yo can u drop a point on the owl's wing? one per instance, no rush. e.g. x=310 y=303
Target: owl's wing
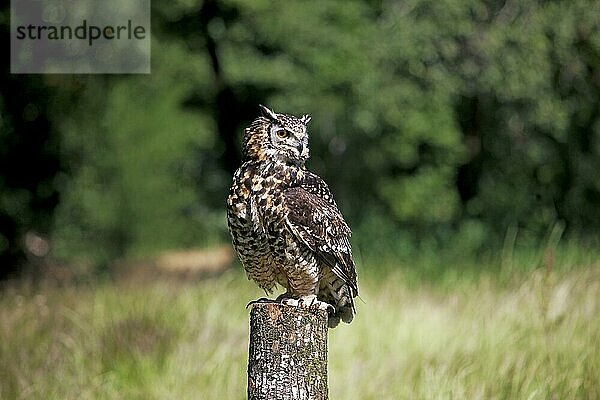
x=314 y=184
x=318 y=224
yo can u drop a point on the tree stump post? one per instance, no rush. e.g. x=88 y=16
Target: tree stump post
x=287 y=358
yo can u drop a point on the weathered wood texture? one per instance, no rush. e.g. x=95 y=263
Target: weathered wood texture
x=288 y=353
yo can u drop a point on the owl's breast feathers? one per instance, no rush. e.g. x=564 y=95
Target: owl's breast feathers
x=257 y=188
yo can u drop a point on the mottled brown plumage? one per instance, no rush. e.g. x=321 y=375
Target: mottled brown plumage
x=284 y=222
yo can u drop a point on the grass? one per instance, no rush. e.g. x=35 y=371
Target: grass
x=533 y=334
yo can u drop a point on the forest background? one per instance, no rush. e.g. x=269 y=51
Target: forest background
x=440 y=125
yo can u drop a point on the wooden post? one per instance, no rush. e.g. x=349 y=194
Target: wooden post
x=288 y=353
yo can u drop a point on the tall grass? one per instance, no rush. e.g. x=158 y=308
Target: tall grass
x=535 y=335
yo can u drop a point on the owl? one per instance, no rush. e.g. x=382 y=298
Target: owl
x=284 y=223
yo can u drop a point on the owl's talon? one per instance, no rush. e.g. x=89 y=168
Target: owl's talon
x=321 y=305
x=309 y=302
x=262 y=300
x=282 y=297
x=330 y=309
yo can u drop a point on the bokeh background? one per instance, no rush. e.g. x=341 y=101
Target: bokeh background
x=460 y=138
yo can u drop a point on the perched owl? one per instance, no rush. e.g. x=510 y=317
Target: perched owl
x=284 y=223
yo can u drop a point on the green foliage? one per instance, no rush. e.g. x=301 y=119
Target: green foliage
x=451 y=116
x=133 y=192
x=446 y=122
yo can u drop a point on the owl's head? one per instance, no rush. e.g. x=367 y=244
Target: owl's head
x=278 y=137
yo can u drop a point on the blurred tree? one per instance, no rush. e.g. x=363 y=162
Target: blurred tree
x=29 y=159
x=529 y=114
x=458 y=119
x=133 y=190
x=439 y=123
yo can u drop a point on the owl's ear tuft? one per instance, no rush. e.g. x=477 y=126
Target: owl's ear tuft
x=305 y=119
x=268 y=113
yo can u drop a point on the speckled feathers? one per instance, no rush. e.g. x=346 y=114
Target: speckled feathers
x=283 y=220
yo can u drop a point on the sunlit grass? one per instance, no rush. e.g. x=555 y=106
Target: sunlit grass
x=539 y=339
x=534 y=336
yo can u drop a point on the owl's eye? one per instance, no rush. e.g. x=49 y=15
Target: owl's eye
x=282 y=133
